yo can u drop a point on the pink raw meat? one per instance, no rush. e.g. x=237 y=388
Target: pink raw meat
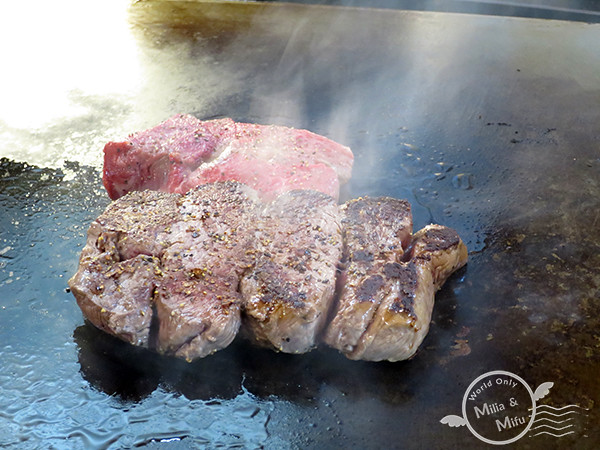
x=183 y=152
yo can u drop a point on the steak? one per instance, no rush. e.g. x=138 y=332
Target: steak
x=290 y=290
x=376 y=231
x=118 y=267
x=385 y=308
x=183 y=152
x=198 y=302
x=162 y=270
x=181 y=273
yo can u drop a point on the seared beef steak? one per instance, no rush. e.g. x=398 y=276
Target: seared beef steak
x=290 y=290
x=198 y=301
x=387 y=314
x=184 y=152
x=376 y=230
x=439 y=249
x=177 y=273
x=175 y=260
x=118 y=272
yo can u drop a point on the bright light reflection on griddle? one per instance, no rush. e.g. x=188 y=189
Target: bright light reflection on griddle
x=55 y=54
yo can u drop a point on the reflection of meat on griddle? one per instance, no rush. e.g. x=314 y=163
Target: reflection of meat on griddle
x=179 y=273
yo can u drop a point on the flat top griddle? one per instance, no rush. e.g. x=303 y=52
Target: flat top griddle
x=489 y=125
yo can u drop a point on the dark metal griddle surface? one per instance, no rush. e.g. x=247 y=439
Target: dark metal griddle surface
x=489 y=125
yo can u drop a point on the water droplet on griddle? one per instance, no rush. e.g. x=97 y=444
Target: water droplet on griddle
x=463 y=181
x=445 y=167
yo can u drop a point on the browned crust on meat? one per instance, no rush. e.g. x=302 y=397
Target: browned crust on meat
x=289 y=291
x=393 y=216
x=174 y=272
x=386 y=302
x=438 y=238
x=187 y=291
x=376 y=209
x=376 y=232
x=441 y=250
x=405 y=275
x=368 y=288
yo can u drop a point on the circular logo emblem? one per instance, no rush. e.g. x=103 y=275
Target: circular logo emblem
x=499 y=407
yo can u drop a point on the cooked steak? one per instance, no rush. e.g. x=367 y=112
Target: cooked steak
x=184 y=152
x=439 y=249
x=118 y=268
x=376 y=231
x=290 y=290
x=178 y=273
x=399 y=297
x=162 y=270
x=198 y=301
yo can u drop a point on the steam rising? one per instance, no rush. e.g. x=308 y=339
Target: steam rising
x=435 y=107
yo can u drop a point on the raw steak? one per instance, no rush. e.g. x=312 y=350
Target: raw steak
x=184 y=152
